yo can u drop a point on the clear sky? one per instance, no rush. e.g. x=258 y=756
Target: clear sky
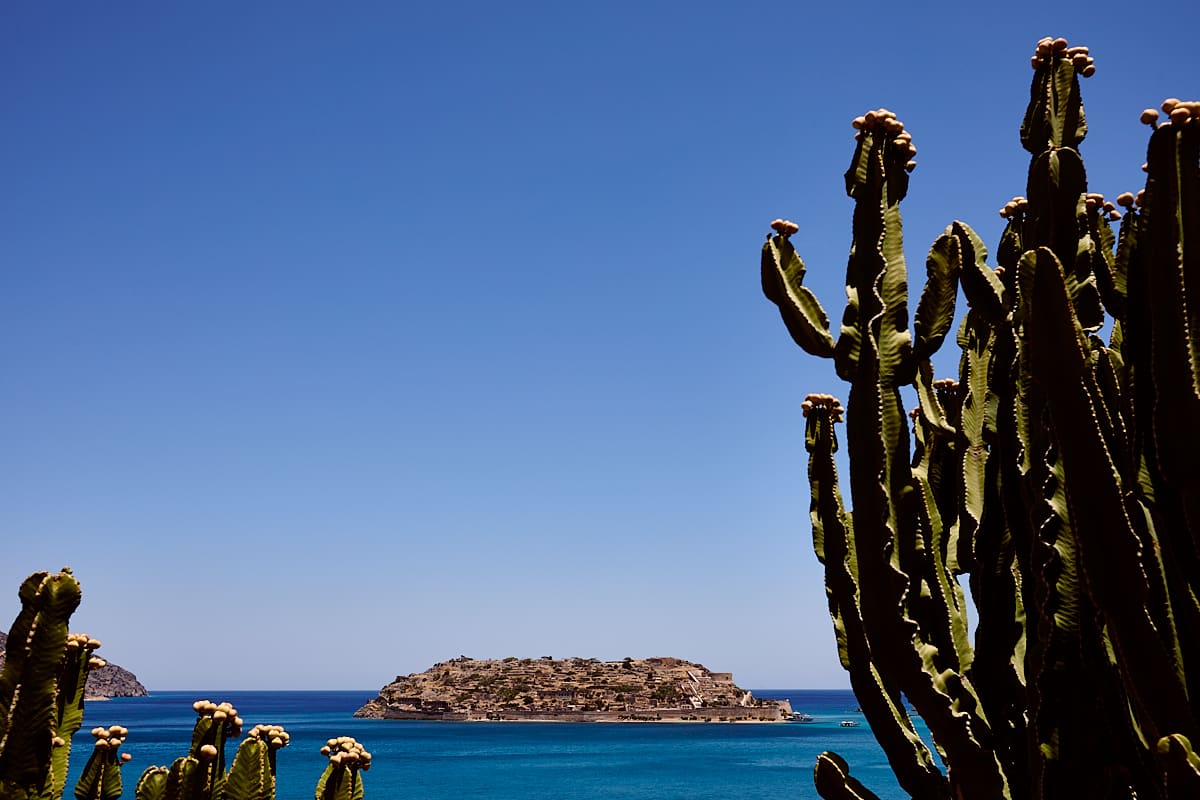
x=340 y=339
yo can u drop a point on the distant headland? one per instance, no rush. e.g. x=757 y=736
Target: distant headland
x=103 y=683
x=571 y=690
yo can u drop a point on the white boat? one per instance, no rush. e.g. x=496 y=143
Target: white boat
x=848 y=723
x=800 y=716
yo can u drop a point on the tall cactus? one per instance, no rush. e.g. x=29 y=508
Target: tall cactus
x=1059 y=473
x=42 y=688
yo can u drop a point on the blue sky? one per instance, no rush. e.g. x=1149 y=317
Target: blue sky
x=338 y=340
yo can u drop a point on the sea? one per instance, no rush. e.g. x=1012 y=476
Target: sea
x=416 y=760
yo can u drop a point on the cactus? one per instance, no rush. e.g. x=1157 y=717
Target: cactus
x=101 y=778
x=341 y=779
x=41 y=707
x=42 y=688
x=1058 y=473
x=201 y=774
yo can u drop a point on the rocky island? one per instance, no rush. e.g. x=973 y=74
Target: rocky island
x=102 y=684
x=571 y=690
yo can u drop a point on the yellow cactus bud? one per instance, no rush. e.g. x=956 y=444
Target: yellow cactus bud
x=1088 y=71
x=1180 y=115
x=125 y=757
x=1149 y=116
x=208 y=752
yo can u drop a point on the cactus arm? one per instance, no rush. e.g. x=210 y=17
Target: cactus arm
x=1180 y=766
x=1054 y=117
x=1171 y=218
x=935 y=309
x=834 y=546
x=152 y=785
x=1111 y=560
x=932 y=410
x=947 y=629
x=984 y=291
x=782 y=283
x=339 y=783
x=1110 y=280
x=250 y=777
x=978 y=422
x=101 y=776
x=28 y=692
x=834 y=782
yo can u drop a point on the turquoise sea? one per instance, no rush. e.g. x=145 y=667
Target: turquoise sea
x=507 y=761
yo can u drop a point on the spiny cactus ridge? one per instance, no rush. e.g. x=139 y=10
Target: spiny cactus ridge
x=41 y=707
x=1058 y=472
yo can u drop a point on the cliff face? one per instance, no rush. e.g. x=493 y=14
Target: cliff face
x=577 y=689
x=103 y=683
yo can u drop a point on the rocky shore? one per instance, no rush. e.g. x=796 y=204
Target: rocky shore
x=571 y=690
x=102 y=684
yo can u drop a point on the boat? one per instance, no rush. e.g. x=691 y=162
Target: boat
x=800 y=716
x=848 y=723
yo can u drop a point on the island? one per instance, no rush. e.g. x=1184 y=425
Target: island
x=103 y=683
x=571 y=690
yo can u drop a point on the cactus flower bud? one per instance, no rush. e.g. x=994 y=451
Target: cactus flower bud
x=1088 y=71
x=125 y=757
x=1060 y=44
x=1180 y=115
x=1149 y=116
x=208 y=752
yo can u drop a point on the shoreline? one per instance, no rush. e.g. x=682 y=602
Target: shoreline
x=699 y=716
